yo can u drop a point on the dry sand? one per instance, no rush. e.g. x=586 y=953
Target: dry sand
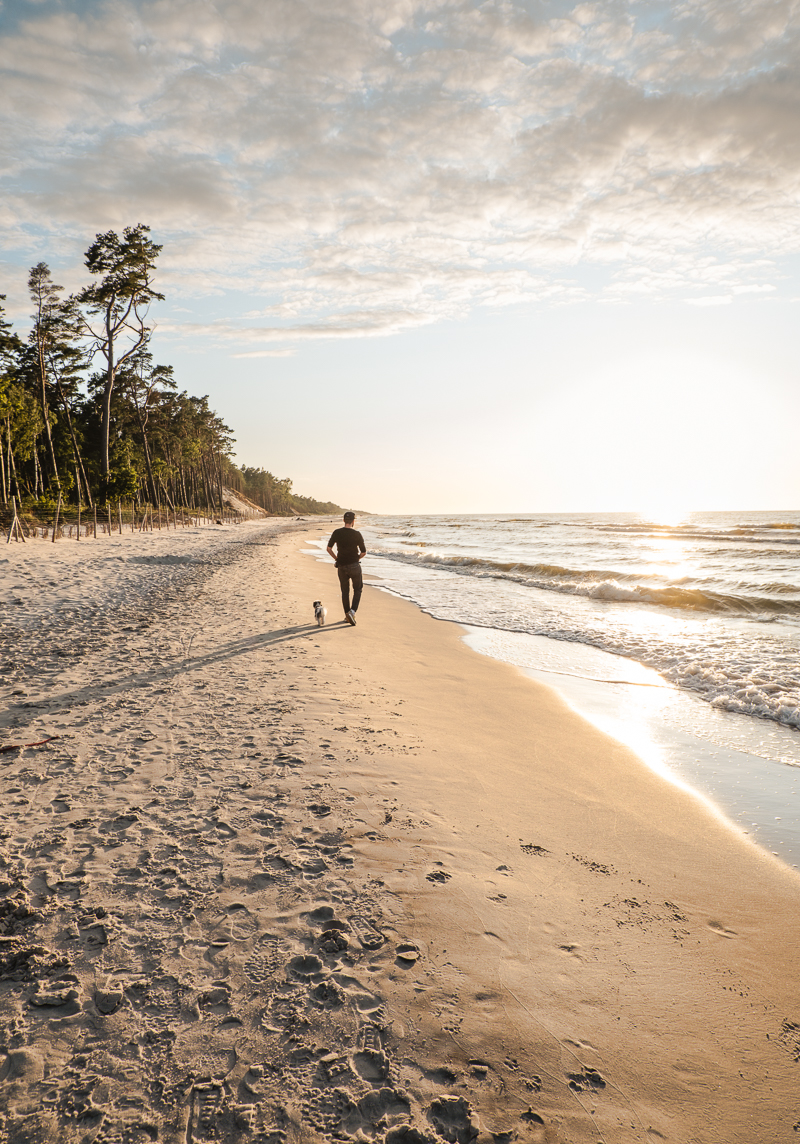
x=280 y=883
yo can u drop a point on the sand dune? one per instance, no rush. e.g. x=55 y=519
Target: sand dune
x=281 y=883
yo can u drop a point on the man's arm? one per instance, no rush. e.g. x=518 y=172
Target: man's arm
x=331 y=553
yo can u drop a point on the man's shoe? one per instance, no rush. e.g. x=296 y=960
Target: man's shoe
x=351 y=617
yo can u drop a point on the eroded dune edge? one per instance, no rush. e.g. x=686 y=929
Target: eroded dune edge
x=281 y=883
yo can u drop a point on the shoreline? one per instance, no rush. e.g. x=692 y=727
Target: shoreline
x=361 y=883
x=747 y=768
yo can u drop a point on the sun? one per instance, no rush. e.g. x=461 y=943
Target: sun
x=665 y=512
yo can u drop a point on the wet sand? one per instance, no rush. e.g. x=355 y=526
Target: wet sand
x=274 y=882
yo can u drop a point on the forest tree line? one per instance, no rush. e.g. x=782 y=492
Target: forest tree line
x=89 y=417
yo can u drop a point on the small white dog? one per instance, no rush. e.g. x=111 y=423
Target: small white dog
x=319 y=612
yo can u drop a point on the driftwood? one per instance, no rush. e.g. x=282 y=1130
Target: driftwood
x=19 y=746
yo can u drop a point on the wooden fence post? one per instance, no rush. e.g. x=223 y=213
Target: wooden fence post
x=79 y=515
x=95 y=521
x=55 y=522
x=16 y=528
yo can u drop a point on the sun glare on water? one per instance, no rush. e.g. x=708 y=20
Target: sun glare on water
x=664 y=512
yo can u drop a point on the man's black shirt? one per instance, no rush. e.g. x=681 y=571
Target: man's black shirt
x=349 y=542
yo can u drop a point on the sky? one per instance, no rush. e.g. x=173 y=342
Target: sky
x=440 y=257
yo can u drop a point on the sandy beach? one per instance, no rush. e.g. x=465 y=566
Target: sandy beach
x=270 y=882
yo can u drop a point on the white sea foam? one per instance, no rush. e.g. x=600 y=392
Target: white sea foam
x=610 y=590
x=714 y=607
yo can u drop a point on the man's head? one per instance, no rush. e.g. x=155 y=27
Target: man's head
x=349 y=518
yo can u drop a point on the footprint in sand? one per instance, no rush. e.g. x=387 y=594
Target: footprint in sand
x=407 y=953
x=451 y=1116
x=380 y=1104
x=332 y=943
x=366 y=1003
x=595 y=867
x=327 y=995
x=216 y=1000
x=263 y=963
x=789 y=1037
x=587 y=1081
x=241 y=923
x=438 y=876
x=319 y=809
x=366 y=932
x=94 y=933
x=326 y=1109
x=313 y=867
x=370 y=1039
x=406 y=1134
x=206 y=1111
x=535 y=1125
x=371 y=1067
x=108 y=998
x=305 y=967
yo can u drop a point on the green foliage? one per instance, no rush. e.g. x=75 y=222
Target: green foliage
x=125 y=432
x=42 y=506
x=124 y=267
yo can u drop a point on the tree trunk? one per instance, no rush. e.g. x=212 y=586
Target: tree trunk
x=219 y=484
x=76 y=451
x=147 y=462
x=38 y=486
x=46 y=413
x=12 y=465
x=3 y=467
x=166 y=495
x=108 y=389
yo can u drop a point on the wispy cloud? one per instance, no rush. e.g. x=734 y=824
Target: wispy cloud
x=265 y=353
x=365 y=166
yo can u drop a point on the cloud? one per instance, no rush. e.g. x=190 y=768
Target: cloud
x=265 y=353
x=361 y=166
x=712 y=300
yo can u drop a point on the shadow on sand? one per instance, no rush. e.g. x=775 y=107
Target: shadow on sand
x=161 y=674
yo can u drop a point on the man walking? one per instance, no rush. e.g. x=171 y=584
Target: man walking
x=350 y=549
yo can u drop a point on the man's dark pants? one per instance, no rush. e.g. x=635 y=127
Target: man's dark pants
x=348 y=572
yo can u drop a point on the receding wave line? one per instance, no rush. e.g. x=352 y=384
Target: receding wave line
x=766 y=533
x=618 y=587
x=736 y=537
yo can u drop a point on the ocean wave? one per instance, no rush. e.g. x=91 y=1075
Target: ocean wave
x=738 y=536
x=712 y=605
x=611 y=590
x=620 y=587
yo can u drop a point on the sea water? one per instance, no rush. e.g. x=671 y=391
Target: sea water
x=680 y=639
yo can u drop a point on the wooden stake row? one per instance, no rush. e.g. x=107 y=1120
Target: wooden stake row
x=186 y=518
